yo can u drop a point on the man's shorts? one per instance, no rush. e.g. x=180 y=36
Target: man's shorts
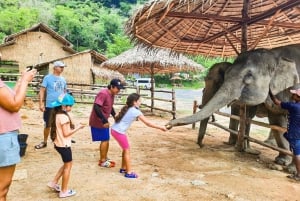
x=65 y=153
x=100 y=134
x=46 y=116
x=9 y=149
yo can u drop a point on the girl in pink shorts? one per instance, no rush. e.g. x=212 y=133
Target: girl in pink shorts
x=129 y=113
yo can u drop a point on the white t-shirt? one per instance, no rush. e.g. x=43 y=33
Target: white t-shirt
x=130 y=116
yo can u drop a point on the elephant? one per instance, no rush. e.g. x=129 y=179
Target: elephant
x=248 y=81
x=213 y=81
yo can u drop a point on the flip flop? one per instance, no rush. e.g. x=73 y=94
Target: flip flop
x=131 y=175
x=41 y=145
x=122 y=170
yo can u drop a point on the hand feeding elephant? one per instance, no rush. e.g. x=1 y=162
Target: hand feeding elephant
x=213 y=81
x=248 y=81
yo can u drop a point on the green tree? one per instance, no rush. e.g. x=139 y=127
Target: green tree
x=119 y=44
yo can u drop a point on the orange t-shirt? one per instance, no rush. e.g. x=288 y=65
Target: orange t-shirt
x=61 y=140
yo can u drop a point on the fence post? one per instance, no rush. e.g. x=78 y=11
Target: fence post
x=194 y=111
x=173 y=103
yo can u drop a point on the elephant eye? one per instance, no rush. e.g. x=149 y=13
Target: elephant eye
x=248 y=77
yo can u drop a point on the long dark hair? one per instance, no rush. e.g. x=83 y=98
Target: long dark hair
x=129 y=103
x=55 y=111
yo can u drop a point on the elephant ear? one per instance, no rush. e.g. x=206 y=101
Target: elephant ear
x=285 y=75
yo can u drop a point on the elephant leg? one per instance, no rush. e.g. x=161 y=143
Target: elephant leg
x=233 y=125
x=271 y=139
x=280 y=120
x=202 y=131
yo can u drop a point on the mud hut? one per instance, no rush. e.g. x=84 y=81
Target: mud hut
x=35 y=45
x=80 y=68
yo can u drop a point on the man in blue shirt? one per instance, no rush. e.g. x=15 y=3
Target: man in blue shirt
x=293 y=129
x=52 y=86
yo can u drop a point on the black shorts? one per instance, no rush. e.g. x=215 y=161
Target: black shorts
x=46 y=116
x=65 y=153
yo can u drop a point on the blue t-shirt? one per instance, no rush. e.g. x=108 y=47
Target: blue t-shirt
x=293 y=128
x=55 y=85
x=130 y=116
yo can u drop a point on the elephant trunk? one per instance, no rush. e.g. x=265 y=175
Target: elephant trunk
x=223 y=97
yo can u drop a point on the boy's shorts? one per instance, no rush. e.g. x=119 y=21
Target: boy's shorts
x=9 y=149
x=121 y=139
x=100 y=134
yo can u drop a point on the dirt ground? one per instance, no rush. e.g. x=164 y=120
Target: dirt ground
x=171 y=166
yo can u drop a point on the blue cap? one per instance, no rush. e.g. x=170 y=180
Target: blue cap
x=63 y=99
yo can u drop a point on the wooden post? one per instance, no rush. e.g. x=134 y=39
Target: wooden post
x=173 y=103
x=194 y=111
x=152 y=88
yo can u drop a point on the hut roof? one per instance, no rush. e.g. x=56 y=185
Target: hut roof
x=97 y=57
x=216 y=27
x=39 y=28
x=148 y=61
x=107 y=73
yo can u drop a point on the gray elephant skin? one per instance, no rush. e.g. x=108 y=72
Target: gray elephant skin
x=248 y=81
x=213 y=81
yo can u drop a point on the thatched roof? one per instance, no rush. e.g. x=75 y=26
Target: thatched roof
x=214 y=27
x=40 y=28
x=147 y=61
x=106 y=73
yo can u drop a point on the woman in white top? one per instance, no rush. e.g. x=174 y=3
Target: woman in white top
x=129 y=113
x=61 y=131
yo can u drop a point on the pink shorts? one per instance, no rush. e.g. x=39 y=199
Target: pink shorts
x=121 y=139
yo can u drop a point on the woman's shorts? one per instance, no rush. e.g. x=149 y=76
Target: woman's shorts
x=121 y=139
x=65 y=153
x=9 y=149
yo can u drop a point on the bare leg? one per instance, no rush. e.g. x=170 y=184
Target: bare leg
x=297 y=163
x=46 y=134
x=103 y=148
x=126 y=158
x=123 y=160
x=58 y=175
x=6 y=174
x=66 y=176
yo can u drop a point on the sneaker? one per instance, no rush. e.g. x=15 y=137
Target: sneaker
x=107 y=164
x=68 y=193
x=53 y=186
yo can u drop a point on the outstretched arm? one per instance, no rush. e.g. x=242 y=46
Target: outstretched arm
x=273 y=98
x=150 y=124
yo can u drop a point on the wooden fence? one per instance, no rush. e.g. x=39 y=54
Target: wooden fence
x=85 y=93
x=258 y=123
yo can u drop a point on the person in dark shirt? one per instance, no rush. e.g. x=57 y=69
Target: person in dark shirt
x=293 y=129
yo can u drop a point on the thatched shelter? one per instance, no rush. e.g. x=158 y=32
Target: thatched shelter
x=221 y=28
x=147 y=61
x=35 y=45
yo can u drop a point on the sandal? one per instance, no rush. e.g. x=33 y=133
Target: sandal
x=41 y=145
x=131 y=175
x=122 y=170
x=107 y=164
x=294 y=177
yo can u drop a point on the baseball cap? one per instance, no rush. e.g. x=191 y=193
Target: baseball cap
x=59 y=64
x=117 y=83
x=63 y=99
x=296 y=89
